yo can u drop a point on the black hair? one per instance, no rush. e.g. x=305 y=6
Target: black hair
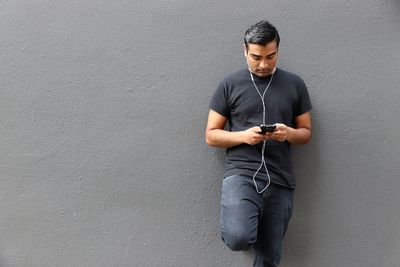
x=262 y=33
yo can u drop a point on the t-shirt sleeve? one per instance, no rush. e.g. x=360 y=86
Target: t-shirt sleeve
x=304 y=102
x=219 y=101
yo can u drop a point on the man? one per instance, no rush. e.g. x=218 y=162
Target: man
x=258 y=185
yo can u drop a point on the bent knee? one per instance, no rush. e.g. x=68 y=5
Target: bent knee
x=238 y=241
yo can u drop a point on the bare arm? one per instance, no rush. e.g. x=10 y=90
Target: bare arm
x=216 y=135
x=299 y=135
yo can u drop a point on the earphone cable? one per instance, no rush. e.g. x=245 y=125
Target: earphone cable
x=263 y=162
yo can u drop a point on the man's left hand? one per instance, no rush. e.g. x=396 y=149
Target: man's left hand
x=281 y=132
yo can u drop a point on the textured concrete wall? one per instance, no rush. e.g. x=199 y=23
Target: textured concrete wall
x=103 y=106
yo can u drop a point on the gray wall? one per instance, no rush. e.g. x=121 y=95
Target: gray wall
x=103 y=106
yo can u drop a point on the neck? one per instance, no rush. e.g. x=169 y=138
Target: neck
x=252 y=73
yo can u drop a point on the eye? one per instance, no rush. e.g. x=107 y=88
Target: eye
x=256 y=57
x=271 y=56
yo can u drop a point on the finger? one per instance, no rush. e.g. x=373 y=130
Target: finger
x=256 y=129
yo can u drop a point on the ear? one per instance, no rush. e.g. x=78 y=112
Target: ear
x=245 y=50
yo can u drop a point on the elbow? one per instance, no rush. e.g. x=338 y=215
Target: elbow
x=208 y=142
x=302 y=137
x=208 y=139
x=308 y=137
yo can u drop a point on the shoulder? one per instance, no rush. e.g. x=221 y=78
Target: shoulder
x=228 y=90
x=237 y=77
x=289 y=77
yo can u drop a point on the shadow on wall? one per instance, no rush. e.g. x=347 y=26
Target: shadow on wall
x=309 y=188
x=1 y=260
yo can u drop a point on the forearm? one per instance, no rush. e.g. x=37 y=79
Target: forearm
x=223 y=139
x=298 y=136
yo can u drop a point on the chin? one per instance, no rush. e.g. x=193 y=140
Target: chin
x=263 y=74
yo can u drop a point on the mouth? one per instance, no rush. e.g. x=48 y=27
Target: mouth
x=264 y=70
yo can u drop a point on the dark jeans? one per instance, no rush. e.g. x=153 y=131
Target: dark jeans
x=252 y=219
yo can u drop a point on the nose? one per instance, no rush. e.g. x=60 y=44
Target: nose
x=263 y=64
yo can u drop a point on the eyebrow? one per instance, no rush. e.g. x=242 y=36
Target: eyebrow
x=272 y=54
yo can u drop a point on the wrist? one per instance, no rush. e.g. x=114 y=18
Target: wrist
x=242 y=137
x=289 y=133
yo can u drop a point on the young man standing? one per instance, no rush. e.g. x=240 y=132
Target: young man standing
x=258 y=185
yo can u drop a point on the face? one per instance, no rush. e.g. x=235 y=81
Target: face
x=261 y=59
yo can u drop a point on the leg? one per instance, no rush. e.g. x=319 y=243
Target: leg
x=275 y=215
x=240 y=209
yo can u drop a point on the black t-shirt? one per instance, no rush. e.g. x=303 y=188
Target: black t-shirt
x=237 y=99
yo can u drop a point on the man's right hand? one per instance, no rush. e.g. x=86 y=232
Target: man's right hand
x=218 y=137
x=253 y=136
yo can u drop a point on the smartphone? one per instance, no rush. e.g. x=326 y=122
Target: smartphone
x=267 y=128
